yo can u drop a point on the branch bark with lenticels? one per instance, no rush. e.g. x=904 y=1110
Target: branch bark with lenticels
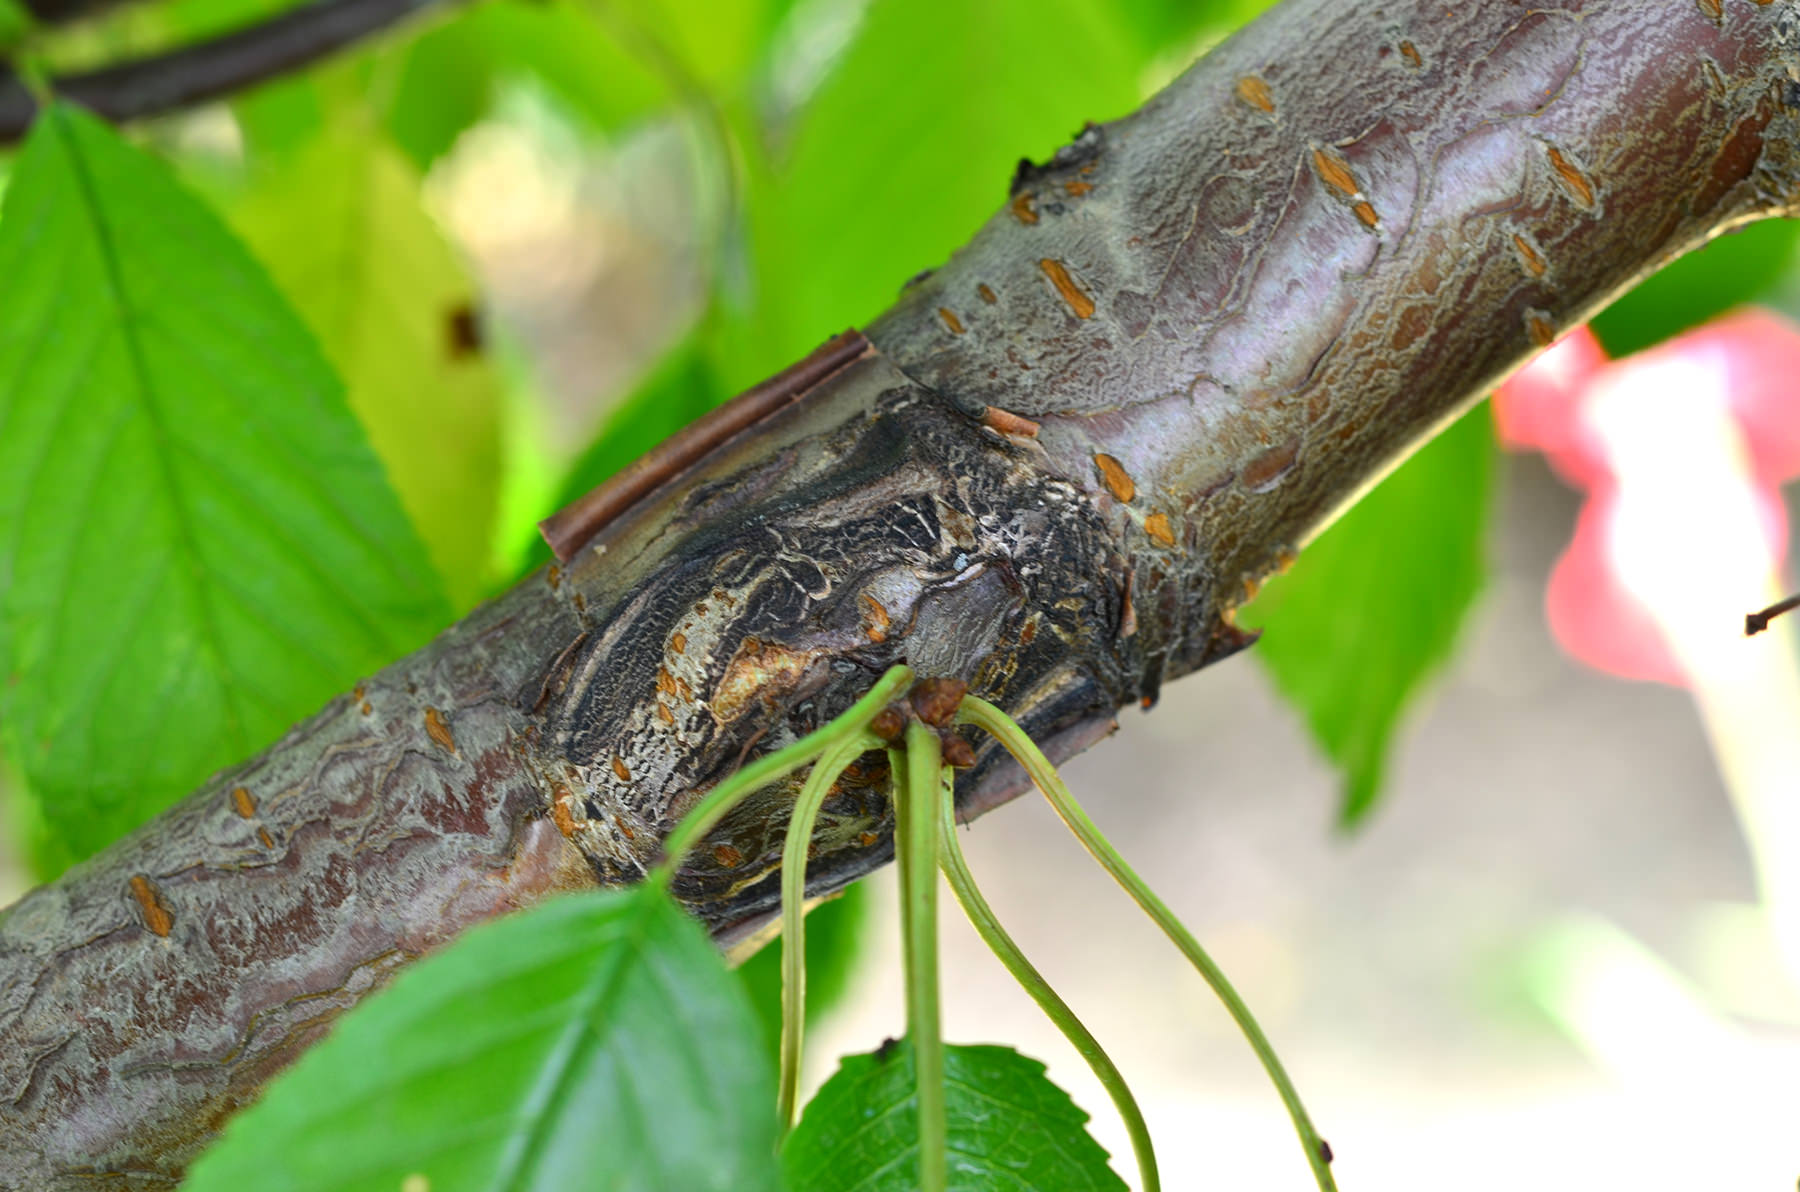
x=1176 y=350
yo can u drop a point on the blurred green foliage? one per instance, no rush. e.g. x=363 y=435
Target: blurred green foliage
x=845 y=207
x=15 y=22
x=1739 y=267
x=835 y=932
x=398 y=315
x=1369 y=611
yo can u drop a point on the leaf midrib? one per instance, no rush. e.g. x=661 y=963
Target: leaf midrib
x=576 y=1041
x=191 y=564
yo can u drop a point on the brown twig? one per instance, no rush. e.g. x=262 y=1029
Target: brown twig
x=62 y=12
x=206 y=70
x=1755 y=623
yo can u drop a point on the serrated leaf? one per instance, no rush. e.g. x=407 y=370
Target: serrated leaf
x=197 y=546
x=341 y=228
x=597 y=1041
x=1354 y=630
x=1010 y=1128
x=1732 y=270
x=859 y=201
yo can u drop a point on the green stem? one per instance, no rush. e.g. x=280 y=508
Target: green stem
x=987 y=717
x=987 y=925
x=918 y=861
x=793 y=912
x=698 y=823
x=897 y=783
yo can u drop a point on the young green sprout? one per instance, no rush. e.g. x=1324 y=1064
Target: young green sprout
x=718 y=803
x=833 y=746
x=922 y=766
x=987 y=925
x=922 y=749
x=1003 y=728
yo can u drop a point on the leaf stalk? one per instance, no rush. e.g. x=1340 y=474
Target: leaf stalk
x=987 y=925
x=983 y=715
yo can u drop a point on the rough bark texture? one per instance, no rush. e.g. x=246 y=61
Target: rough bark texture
x=1251 y=298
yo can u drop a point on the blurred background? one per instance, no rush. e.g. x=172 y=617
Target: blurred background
x=1511 y=904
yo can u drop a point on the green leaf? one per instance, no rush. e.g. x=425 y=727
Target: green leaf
x=279 y=117
x=1353 y=631
x=861 y=201
x=340 y=227
x=835 y=931
x=597 y=1041
x=1730 y=271
x=197 y=19
x=113 y=33
x=197 y=546
x=430 y=87
x=1011 y=1129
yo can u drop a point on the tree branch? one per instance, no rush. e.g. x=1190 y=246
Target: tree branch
x=207 y=70
x=62 y=12
x=1331 y=236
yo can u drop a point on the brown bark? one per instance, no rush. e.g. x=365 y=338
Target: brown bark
x=1251 y=297
x=192 y=74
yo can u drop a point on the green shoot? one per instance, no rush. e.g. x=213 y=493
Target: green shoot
x=793 y=911
x=698 y=823
x=986 y=716
x=987 y=925
x=917 y=781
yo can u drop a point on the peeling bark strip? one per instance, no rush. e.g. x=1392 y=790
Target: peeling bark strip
x=1247 y=352
x=568 y=528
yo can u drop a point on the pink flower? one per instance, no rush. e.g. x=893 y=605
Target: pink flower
x=1681 y=450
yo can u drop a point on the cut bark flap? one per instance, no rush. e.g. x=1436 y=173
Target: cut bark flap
x=568 y=528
